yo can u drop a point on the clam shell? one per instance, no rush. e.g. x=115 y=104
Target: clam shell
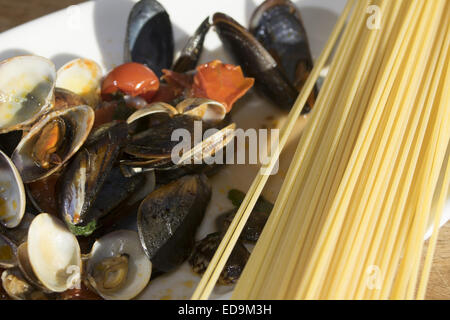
x=83 y=77
x=139 y=267
x=54 y=253
x=26 y=91
x=12 y=193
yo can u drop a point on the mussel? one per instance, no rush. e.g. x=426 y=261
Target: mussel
x=149 y=37
x=168 y=220
x=155 y=147
x=83 y=179
x=52 y=142
x=190 y=55
x=204 y=251
x=256 y=61
x=278 y=26
x=118 y=268
x=26 y=91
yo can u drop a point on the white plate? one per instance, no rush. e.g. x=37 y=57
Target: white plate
x=96 y=30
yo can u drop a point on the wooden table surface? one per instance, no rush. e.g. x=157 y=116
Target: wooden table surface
x=13 y=13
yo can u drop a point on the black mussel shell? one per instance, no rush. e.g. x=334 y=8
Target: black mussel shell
x=156 y=142
x=204 y=251
x=149 y=38
x=190 y=55
x=278 y=26
x=83 y=179
x=168 y=220
x=255 y=61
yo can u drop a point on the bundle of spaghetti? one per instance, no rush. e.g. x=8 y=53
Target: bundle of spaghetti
x=230 y=238
x=350 y=219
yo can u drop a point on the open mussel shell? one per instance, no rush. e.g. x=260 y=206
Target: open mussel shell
x=168 y=219
x=26 y=91
x=118 y=268
x=149 y=38
x=12 y=193
x=255 y=61
x=8 y=253
x=61 y=134
x=83 y=77
x=53 y=253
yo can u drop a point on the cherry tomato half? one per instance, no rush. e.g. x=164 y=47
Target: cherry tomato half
x=132 y=79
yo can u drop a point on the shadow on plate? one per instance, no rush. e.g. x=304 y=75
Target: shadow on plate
x=10 y=53
x=61 y=59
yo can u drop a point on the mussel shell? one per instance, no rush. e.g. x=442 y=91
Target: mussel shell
x=168 y=220
x=255 y=61
x=12 y=193
x=204 y=251
x=278 y=26
x=190 y=55
x=26 y=88
x=78 y=121
x=149 y=38
x=156 y=142
x=86 y=174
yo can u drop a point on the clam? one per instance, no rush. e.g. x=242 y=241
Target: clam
x=149 y=37
x=26 y=91
x=82 y=77
x=12 y=193
x=168 y=219
x=118 y=268
x=52 y=142
x=53 y=253
x=16 y=286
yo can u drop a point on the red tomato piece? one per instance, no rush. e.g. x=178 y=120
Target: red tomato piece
x=132 y=79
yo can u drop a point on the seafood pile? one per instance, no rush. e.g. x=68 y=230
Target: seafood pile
x=81 y=151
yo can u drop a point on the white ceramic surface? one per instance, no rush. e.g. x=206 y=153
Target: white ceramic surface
x=96 y=30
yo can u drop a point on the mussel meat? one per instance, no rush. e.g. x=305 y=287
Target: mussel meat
x=52 y=142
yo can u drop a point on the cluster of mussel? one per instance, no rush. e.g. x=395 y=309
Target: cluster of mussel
x=92 y=151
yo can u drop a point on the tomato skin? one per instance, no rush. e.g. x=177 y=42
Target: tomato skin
x=132 y=79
